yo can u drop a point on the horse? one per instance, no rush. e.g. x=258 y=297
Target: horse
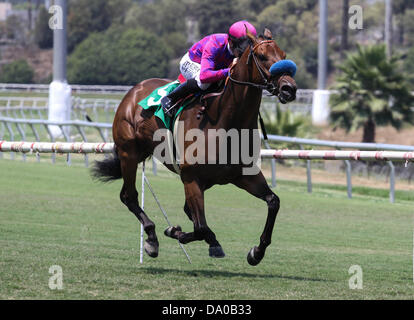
x=237 y=107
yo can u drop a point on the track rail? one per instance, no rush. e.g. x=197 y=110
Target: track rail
x=102 y=147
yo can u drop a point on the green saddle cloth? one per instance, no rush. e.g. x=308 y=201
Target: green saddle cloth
x=153 y=101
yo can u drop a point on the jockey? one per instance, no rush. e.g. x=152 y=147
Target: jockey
x=208 y=61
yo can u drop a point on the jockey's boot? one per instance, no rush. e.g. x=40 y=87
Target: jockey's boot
x=182 y=91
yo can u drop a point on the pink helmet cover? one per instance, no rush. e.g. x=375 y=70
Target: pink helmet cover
x=238 y=29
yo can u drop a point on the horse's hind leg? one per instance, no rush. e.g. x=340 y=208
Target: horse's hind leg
x=187 y=211
x=194 y=209
x=129 y=196
x=215 y=249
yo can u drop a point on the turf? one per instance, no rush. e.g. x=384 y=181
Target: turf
x=56 y=215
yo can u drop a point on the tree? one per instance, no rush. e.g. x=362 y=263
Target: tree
x=162 y=17
x=216 y=16
x=400 y=7
x=409 y=67
x=166 y=19
x=17 y=71
x=345 y=17
x=293 y=24
x=251 y=8
x=13 y=29
x=409 y=27
x=293 y=20
x=43 y=34
x=88 y=16
x=118 y=57
x=371 y=91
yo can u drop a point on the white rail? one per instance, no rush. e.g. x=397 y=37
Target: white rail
x=338 y=155
x=56 y=147
x=103 y=147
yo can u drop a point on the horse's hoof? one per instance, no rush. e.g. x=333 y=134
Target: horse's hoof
x=170 y=231
x=251 y=259
x=151 y=248
x=216 y=252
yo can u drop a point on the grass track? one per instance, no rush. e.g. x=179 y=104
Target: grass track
x=55 y=215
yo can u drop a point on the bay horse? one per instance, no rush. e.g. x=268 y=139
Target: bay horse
x=236 y=108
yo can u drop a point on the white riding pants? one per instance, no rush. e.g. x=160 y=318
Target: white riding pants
x=191 y=70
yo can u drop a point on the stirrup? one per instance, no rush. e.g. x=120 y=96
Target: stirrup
x=170 y=112
x=167 y=106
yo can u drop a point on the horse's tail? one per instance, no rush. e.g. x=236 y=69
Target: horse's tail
x=108 y=169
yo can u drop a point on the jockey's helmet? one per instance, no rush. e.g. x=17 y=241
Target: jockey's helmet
x=238 y=29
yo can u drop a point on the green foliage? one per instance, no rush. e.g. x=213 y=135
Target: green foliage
x=293 y=24
x=43 y=34
x=292 y=21
x=285 y=123
x=371 y=91
x=409 y=27
x=251 y=8
x=216 y=16
x=176 y=42
x=12 y=28
x=118 y=57
x=310 y=56
x=17 y=71
x=374 y=16
x=166 y=19
x=161 y=17
x=409 y=67
x=88 y=16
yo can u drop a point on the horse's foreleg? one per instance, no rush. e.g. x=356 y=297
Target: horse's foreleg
x=129 y=196
x=257 y=186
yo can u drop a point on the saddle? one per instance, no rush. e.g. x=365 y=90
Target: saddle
x=215 y=90
x=153 y=101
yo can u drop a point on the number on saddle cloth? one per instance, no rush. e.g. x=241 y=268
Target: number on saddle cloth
x=153 y=102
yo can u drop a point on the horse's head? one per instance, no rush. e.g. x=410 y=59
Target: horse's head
x=270 y=69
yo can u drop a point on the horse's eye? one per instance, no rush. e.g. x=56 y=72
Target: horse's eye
x=262 y=57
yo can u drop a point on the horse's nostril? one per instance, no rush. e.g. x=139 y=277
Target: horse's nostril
x=288 y=90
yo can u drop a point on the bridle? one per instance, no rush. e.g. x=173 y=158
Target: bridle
x=267 y=85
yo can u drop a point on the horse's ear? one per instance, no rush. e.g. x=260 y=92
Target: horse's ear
x=250 y=36
x=268 y=34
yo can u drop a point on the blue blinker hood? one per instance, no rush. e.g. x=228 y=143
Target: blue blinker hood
x=282 y=67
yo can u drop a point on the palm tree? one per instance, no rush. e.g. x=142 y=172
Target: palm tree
x=284 y=123
x=371 y=91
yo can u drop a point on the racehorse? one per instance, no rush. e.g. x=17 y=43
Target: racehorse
x=237 y=107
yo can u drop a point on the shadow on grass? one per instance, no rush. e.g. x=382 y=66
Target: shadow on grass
x=226 y=274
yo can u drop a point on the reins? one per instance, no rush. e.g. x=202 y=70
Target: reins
x=267 y=85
